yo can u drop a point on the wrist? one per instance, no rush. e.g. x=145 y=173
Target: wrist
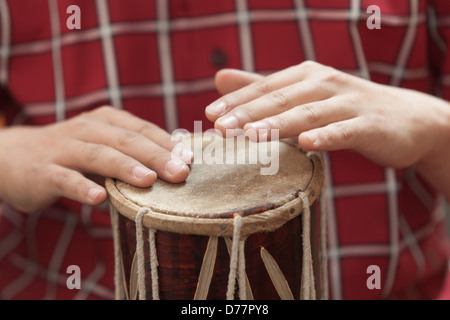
x=434 y=167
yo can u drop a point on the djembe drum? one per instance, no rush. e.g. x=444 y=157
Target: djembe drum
x=226 y=229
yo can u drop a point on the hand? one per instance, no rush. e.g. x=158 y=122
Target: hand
x=68 y=159
x=331 y=110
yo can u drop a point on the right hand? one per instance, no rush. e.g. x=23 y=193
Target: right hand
x=70 y=158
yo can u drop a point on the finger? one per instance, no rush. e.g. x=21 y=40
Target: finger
x=274 y=103
x=302 y=118
x=139 y=147
x=129 y=157
x=99 y=159
x=229 y=80
x=130 y=122
x=348 y=134
x=260 y=87
x=64 y=182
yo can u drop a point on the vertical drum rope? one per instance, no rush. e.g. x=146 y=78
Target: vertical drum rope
x=141 y=258
x=140 y=254
x=118 y=281
x=237 y=262
x=154 y=263
x=323 y=248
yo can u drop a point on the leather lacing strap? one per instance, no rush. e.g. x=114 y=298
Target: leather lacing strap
x=237 y=262
x=308 y=291
x=141 y=258
x=118 y=280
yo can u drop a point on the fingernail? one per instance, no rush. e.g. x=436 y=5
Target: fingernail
x=175 y=166
x=93 y=193
x=217 y=108
x=229 y=122
x=141 y=172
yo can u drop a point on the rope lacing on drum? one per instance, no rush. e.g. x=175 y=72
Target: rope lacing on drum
x=237 y=255
x=118 y=281
x=141 y=257
x=237 y=262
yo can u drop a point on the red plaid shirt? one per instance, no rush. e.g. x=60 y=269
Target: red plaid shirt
x=157 y=59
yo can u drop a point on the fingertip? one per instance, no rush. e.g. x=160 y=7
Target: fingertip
x=96 y=195
x=220 y=129
x=140 y=172
x=222 y=72
x=182 y=152
x=310 y=140
x=176 y=171
x=222 y=77
x=229 y=80
x=149 y=179
x=181 y=176
x=216 y=109
x=210 y=116
x=258 y=131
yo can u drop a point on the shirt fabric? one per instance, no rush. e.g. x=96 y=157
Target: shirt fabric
x=157 y=59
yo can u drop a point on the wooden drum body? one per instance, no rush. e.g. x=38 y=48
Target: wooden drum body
x=227 y=229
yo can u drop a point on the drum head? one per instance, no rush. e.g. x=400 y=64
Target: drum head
x=221 y=189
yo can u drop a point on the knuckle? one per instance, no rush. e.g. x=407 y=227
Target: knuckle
x=61 y=180
x=262 y=86
x=127 y=138
x=334 y=76
x=157 y=156
x=146 y=129
x=103 y=109
x=354 y=98
x=79 y=123
x=279 y=99
x=279 y=122
x=308 y=65
x=245 y=114
x=346 y=133
x=104 y=112
x=311 y=113
x=92 y=152
x=72 y=186
x=37 y=170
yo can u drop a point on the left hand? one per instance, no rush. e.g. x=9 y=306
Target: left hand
x=330 y=110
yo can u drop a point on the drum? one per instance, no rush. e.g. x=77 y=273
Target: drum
x=229 y=231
